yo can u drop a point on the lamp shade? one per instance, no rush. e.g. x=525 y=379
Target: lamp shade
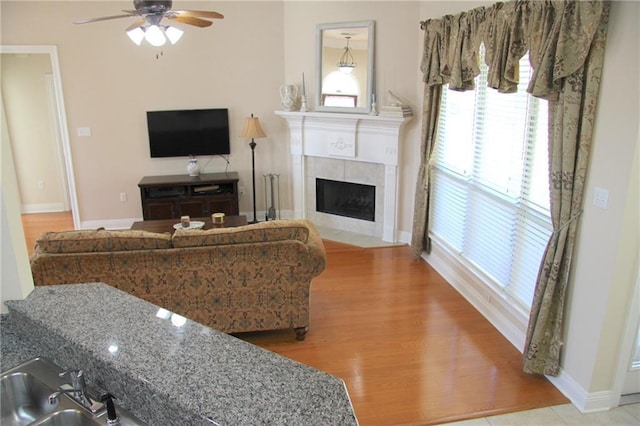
x=252 y=128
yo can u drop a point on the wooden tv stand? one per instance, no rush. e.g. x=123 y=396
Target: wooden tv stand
x=172 y=196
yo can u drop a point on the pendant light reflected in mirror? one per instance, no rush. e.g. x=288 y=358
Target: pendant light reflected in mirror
x=347 y=63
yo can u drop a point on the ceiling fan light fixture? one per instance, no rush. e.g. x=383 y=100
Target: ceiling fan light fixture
x=136 y=35
x=155 y=36
x=173 y=34
x=150 y=15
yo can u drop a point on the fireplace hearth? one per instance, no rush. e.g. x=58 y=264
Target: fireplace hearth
x=348 y=199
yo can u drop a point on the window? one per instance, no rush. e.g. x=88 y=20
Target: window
x=490 y=192
x=340 y=89
x=339 y=100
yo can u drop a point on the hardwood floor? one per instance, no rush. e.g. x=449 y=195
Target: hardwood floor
x=35 y=224
x=410 y=349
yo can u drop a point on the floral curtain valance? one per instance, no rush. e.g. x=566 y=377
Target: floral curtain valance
x=557 y=35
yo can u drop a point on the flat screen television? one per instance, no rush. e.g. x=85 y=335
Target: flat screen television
x=188 y=132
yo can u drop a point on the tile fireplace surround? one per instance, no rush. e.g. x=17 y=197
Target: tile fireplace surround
x=353 y=148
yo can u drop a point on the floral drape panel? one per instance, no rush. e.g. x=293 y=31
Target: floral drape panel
x=571 y=121
x=565 y=41
x=430 y=114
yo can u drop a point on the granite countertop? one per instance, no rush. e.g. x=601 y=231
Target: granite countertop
x=164 y=368
x=14 y=349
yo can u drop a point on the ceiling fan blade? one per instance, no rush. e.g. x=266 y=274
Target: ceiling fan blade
x=138 y=23
x=191 y=21
x=104 y=18
x=198 y=14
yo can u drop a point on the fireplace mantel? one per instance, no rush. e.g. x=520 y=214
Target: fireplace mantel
x=352 y=137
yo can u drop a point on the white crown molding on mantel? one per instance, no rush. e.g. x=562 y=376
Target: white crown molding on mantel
x=352 y=137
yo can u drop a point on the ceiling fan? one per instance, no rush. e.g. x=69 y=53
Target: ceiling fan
x=149 y=25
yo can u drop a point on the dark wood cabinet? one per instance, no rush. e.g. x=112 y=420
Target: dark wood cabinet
x=172 y=196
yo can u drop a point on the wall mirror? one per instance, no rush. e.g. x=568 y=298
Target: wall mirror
x=345 y=58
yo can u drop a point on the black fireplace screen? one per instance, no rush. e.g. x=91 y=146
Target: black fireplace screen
x=346 y=199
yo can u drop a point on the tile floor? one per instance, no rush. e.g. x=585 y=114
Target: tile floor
x=565 y=414
x=352 y=238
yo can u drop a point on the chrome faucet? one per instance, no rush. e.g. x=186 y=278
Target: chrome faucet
x=78 y=389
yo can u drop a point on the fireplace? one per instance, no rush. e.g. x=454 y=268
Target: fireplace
x=357 y=148
x=346 y=199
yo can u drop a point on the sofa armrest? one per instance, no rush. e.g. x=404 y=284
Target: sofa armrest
x=316 y=248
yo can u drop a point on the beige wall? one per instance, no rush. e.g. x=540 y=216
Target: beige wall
x=109 y=84
x=31 y=129
x=607 y=251
x=240 y=63
x=15 y=275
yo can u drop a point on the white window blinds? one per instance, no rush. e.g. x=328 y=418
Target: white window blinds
x=490 y=192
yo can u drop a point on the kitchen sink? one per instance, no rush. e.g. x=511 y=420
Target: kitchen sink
x=25 y=399
x=66 y=418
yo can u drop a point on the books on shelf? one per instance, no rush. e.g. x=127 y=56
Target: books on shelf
x=396 y=111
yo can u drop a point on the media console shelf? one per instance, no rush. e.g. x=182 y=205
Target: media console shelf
x=169 y=197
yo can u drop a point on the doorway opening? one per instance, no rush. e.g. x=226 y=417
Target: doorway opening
x=52 y=95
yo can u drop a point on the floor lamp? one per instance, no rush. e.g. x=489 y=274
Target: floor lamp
x=252 y=129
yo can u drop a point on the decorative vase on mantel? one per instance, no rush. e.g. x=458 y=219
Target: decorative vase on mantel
x=288 y=96
x=192 y=167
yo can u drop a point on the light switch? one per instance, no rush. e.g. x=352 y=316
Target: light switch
x=601 y=198
x=84 y=131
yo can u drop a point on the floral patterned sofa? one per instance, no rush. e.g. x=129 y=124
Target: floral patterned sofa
x=248 y=278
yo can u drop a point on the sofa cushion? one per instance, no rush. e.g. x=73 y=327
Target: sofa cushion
x=276 y=230
x=101 y=241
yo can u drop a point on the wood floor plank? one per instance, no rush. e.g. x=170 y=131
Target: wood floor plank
x=410 y=349
x=37 y=223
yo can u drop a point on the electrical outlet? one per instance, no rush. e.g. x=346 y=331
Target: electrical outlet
x=40 y=184
x=84 y=131
x=241 y=190
x=123 y=197
x=601 y=198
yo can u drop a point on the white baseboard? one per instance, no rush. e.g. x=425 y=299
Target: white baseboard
x=109 y=223
x=585 y=402
x=42 y=208
x=509 y=321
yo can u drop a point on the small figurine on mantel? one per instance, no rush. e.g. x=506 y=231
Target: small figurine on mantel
x=288 y=96
x=398 y=108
